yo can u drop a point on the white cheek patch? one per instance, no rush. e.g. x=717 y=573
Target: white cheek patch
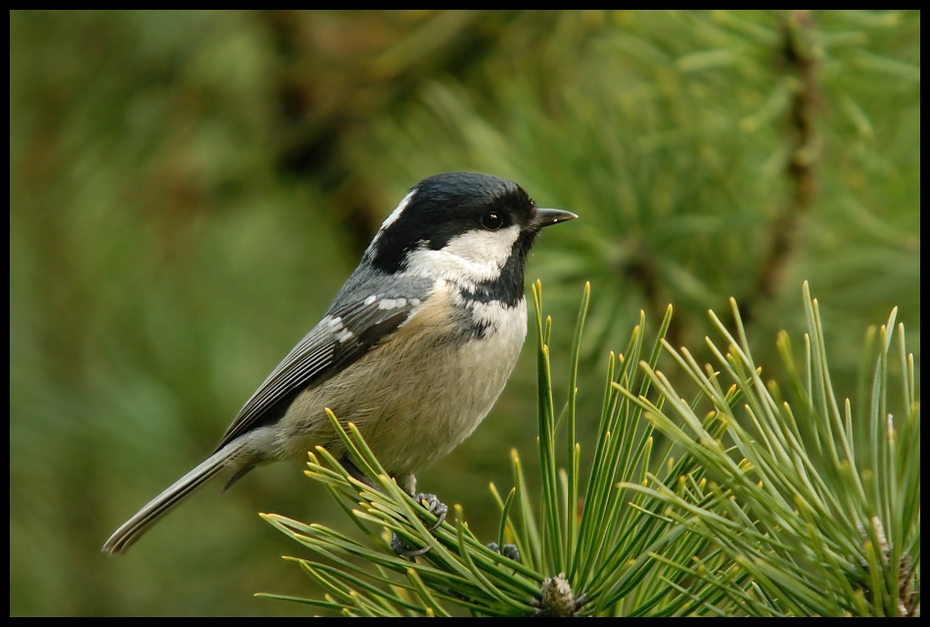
x=474 y=256
x=493 y=247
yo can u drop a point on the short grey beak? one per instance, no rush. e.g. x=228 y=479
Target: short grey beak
x=545 y=217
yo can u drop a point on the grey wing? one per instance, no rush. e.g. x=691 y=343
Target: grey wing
x=341 y=338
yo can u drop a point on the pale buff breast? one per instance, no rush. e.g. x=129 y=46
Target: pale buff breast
x=410 y=421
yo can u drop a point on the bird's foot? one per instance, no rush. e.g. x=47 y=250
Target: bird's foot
x=510 y=550
x=434 y=506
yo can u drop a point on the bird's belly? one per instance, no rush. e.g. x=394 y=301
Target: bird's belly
x=414 y=401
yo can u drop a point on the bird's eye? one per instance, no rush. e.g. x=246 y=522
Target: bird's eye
x=492 y=221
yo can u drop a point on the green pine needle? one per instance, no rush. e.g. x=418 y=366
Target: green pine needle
x=758 y=502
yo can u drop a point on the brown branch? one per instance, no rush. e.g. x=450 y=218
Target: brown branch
x=798 y=58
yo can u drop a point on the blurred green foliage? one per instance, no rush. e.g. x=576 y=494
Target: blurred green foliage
x=188 y=191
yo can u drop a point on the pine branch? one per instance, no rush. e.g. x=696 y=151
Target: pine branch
x=803 y=515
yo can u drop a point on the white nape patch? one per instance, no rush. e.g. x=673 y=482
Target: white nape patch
x=370 y=300
x=391 y=219
x=473 y=257
x=392 y=303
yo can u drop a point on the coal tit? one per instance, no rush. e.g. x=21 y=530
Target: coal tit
x=415 y=348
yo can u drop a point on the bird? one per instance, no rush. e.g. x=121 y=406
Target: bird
x=414 y=350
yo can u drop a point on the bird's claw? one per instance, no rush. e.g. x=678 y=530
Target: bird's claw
x=509 y=551
x=434 y=506
x=400 y=547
